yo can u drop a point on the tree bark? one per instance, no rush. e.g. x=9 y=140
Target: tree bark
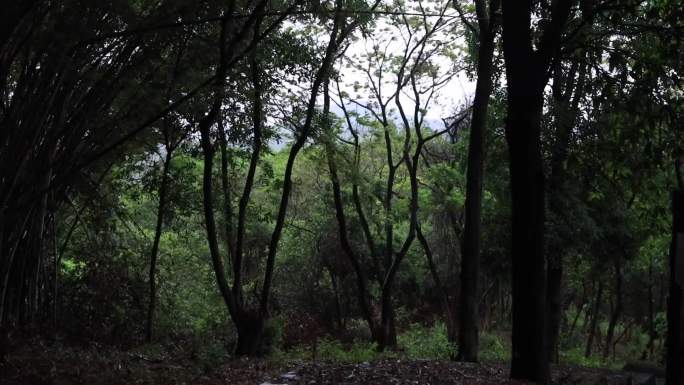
x=468 y=312
x=210 y=222
x=594 y=320
x=238 y=252
x=450 y=319
x=250 y=328
x=617 y=310
x=226 y=190
x=161 y=209
x=565 y=112
x=651 y=313
x=526 y=77
x=675 y=303
x=529 y=281
x=573 y=325
x=339 y=32
x=361 y=280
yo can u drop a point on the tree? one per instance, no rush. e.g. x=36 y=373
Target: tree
x=173 y=137
x=414 y=67
x=47 y=137
x=250 y=321
x=470 y=244
x=675 y=302
x=526 y=77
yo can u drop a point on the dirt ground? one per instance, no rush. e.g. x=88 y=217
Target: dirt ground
x=46 y=365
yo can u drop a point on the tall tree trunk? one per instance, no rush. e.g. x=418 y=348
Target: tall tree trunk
x=675 y=303
x=529 y=281
x=239 y=316
x=568 y=89
x=210 y=221
x=651 y=313
x=338 y=305
x=226 y=188
x=470 y=244
x=388 y=337
x=573 y=325
x=594 y=320
x=526 y=78
x=161 y=209
x=238 y=252
x=617 y=309
x=340 y=30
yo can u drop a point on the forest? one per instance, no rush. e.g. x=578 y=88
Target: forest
x=342 y=192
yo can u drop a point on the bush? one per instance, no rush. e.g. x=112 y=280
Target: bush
x=575 y=356
x=420 y=342
x=328 y=349
x=494 y=348
x=333 y=350
x=272 y=337
x=212 y=354
x=356 y=330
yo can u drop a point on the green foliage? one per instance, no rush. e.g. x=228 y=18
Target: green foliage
x=329 y=349
x=575 y=356
x=272 y=335
x=612 y=204
x=211 y=353
x=420 y=342
x=493 y=348
x=332 y=350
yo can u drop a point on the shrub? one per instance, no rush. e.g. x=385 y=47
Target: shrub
x=420 y=342
x=272 y=337
x=494 y=348
x=575 y=356
x=333 y=350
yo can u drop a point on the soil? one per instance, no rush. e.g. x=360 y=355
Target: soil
x=49 y=365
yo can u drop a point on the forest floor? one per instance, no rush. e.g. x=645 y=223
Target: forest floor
x=47 y=365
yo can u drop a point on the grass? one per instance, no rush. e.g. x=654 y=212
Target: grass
x=418 y=342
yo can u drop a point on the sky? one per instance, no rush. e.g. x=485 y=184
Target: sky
x=393 y=39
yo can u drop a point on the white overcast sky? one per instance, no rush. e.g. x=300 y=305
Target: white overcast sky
x=452 y=96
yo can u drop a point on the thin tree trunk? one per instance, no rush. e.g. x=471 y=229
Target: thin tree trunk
x=338 y=305
x=586 y=324
x=225 y=187
x=571 y=330
x=208 y=201
x=161 y=209
x=450 y=320
x=388 y=332
x=675 y=302
x=361 y=281
x=594 y=320
x=249 y=182
x=617 y=310
x=651 y=312
x=565 y=112
x=337 y=35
